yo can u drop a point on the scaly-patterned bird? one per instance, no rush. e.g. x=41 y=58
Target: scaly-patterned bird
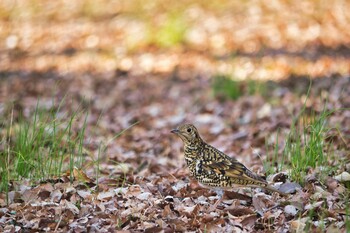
x=214 y=168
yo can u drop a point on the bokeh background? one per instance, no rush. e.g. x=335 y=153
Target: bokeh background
x=244 y=39
x=125 y=56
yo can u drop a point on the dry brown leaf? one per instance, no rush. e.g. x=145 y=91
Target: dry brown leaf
x=79 y=175
x=241 y=211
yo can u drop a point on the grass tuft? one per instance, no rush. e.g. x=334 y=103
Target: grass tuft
x=306 y=145
x=38 y=147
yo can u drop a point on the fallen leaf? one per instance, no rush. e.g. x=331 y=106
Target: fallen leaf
x=290 y=210
x=144 y=196
x=343 y=177
x=79 y=175
x=241 y=211
x=105 y=195
x=290 y=187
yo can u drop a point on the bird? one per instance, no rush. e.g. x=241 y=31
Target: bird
x=213 y=168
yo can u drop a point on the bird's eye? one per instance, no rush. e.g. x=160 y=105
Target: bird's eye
x=189 y=130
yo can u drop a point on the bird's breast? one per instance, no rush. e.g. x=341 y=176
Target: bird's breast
x=199 y=167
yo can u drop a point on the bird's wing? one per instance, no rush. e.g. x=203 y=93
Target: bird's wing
x=233 y=169
x=230 y=167
x=239 y=174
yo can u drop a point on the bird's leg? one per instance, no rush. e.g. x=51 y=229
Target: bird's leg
x=220 y=193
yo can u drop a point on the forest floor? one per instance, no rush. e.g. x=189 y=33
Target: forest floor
x=90 y=92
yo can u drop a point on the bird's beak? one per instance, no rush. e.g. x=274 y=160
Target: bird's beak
x=175 y=131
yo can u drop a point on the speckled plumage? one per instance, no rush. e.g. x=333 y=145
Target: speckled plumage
x=212 y=167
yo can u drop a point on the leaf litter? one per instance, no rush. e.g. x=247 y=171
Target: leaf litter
x=143 y=183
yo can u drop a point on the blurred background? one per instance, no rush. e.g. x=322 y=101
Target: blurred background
x=268 y=40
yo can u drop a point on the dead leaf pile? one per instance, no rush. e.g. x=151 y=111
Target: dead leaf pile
x=109 y=59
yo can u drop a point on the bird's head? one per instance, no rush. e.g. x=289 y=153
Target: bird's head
x=188 y=133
